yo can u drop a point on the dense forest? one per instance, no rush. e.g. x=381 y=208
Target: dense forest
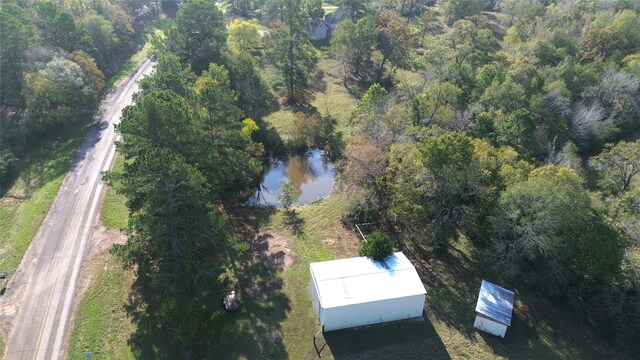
x=512 y=123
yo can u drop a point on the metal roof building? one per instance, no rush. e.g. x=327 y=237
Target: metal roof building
x=361 y=291
x=494 y=309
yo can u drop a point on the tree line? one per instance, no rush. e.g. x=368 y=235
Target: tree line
x=54 y=60
x=516 y=136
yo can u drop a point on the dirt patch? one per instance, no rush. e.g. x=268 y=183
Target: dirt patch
x=343 y=243
x=272 y=248
x=103 y=239
x=329 y=241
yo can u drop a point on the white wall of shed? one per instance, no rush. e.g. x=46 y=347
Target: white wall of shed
x=372 y=312
x=490 y=326
x=314 y=295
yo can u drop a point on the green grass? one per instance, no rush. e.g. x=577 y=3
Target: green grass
x=330 y=98
x=134 y=61
x=102 y=325
x=27 y=202
x=114 y=213
x=328 y=8
x=276 y=319
x=320 y=221
x=334 y=98
x=282 y=121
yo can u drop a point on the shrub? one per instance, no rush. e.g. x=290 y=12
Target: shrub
x=378 y=246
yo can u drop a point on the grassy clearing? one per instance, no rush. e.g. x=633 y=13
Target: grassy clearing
x=102 y=325
x=328 y=8
x=276 y=319
x=282 y=121
x=114 y=213
x=330 y=98
x=322 y=239
x=333 y=98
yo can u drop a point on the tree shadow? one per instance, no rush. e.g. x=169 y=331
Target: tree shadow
x=59 y=151
x=319 y=84
x=409 y=339
x=249 y=219
x=453 y=280
x=254 y=331
x=536 y=321
x=251 y=332
x=540 y=328
x=294 y=221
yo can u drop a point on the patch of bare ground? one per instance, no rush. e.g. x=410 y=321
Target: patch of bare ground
x=343 y=243
x=271 y=248
x=102 y=241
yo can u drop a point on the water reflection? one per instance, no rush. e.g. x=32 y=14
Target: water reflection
x=311 y=174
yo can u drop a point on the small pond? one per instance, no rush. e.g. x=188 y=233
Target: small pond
x=312 y=174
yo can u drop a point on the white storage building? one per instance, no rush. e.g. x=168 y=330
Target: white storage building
x=361 y=291
x=494 y=309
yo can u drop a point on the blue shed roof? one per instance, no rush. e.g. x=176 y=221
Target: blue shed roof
x=495 y=302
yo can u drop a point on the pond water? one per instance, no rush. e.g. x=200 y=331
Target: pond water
x=312 y=174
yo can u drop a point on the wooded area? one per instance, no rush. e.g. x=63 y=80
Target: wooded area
x=510 y=123
x=54 y=61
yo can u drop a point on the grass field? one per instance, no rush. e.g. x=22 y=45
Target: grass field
x=102 y=325
x=26 y=203
x=330 y=98
x=114 y=213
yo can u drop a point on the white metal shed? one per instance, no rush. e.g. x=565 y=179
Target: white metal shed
x=494 y=309
x=361 y=291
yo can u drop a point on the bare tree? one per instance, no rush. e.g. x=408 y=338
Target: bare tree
x=588 y=123
x=618 y=92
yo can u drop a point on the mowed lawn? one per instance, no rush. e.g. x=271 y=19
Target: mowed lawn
x=329 y=97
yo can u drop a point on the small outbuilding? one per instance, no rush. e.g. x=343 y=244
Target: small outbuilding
x=361 y=291
x=317 y=29
x=494 y=309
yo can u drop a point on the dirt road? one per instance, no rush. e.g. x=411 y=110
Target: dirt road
x=36 y=307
